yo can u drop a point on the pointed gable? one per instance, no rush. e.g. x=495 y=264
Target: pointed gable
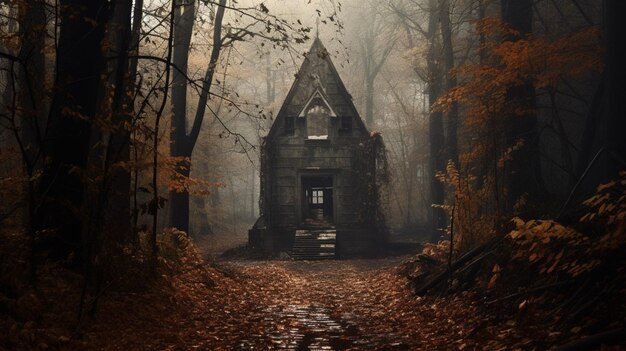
x=317 y=81
x=318 y=97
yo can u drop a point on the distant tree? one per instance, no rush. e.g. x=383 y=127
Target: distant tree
x=375 y=44
x=435 y=128
x=411 y=16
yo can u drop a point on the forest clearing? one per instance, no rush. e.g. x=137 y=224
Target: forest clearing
x=312 y=175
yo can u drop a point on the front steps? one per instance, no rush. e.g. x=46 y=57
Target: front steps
x=314 y=244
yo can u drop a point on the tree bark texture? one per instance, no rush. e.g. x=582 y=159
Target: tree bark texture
x=524 y=171
x=615 y=110
x=435 y=128
x=31 y=77
x=452 y=117
x=79 y=65
x=183 y=143
x=118 y=147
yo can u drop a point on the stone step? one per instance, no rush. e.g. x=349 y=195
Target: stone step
x=314 y=244
x=313 y=248
x=313 y=235
x=315 y=231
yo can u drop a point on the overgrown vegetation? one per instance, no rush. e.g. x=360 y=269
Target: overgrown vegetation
x=371 y=182
x=550 y=281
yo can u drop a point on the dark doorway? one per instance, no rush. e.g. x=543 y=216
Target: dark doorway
x=317 y=200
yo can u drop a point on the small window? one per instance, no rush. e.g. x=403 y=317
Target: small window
x=317 y=196
x=289 y=126
x=346 y=125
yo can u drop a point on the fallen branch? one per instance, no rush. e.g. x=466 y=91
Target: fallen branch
x=539 y=288
x=456 y=265
x=474 y=261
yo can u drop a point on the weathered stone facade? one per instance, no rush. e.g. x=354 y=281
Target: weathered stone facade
x=307 y=177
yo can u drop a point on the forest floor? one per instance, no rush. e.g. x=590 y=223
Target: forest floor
x=349 y=304
x=299 y=305
x=217 y=304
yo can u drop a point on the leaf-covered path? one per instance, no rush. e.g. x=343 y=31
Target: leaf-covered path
x=281 y=305
x=325 y=305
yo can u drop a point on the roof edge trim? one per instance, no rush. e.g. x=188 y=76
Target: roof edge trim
x=317 y=93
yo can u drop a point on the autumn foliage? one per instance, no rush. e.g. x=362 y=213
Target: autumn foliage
x=478 y=183
x=580 y=248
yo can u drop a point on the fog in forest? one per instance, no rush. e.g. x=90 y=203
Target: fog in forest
x=312 y=174
x=366 y=41
x=380 y=50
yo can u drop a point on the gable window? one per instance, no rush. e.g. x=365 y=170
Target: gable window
x=346 y=125
x=317 y=113
x=317 y=122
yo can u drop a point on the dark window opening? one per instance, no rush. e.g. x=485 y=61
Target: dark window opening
x=346 y=125
x=290 y=125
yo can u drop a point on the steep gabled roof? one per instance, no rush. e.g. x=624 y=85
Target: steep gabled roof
x=316 y=53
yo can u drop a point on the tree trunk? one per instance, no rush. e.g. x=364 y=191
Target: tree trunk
x=270 y=81
x=179 y=208
x=7 y=70
x=30 y=105
x=118 y=149
x=589 y=132
x=375 y=50
x=79 y=65
x=183 y=143
x=615 y=110
x=31 y=77
x=453 y=115
x=369 y=101
x=185 y=14
x=435 y=128
x=524 y=173
x=133 y=61
x=252 y=194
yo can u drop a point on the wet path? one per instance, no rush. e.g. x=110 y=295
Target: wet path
x=330 y=305
x=305 y=327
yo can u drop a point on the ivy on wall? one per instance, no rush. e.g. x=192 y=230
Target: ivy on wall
x=371 y=178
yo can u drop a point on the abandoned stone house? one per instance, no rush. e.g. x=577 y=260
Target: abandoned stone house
x=319 y=186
